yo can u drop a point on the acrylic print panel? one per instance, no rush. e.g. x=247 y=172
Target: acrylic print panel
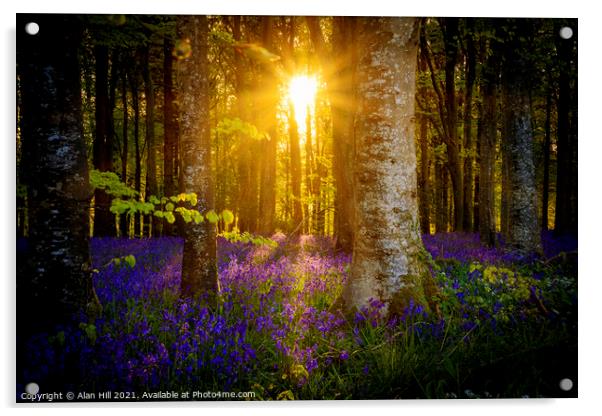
x=287 y=207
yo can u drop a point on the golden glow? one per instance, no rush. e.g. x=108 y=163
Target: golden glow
x=302 y=93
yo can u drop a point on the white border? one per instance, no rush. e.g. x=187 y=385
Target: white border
x=590 y=152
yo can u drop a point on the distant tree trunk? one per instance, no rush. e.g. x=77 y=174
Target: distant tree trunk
x=321 y=174
x=339 y=76
x=137 y=150
x=441 y=197
x=124 y=223
x=475 y=202
x=505 y=175
x=423 y=174
x=387 y=261
x=309 y=190
x=170 y=126
x=295 y=150
x=546 y=161
x=449 y=27
x=247 y=208
x=566 y=182
x=523 y=230
x=295 y=153
x=487 y=146
x=269 y=102
x=468 y=144
x=199 y=268
x=55 y=286
x=342 y=101
x=104 y=220
x=151 y=153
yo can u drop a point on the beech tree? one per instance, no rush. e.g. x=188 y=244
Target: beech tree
x=199 y=268
x=523 y=226
x=387 y=262
x=58 y=276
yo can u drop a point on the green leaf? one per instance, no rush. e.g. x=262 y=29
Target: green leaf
x=212 y=217
x=111 y=184
x=197 y=217
x=90 y=330
x=147 y=207
x=227 y=216
x=130 y=260
x=169 y=206
x=158 y=214
x=170 y=217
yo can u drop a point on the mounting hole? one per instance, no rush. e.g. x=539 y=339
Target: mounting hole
x=566 y=384
x=32 y=28
x=32 y=388
x=566 y=32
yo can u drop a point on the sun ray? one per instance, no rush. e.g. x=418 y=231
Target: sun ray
x=302 y=93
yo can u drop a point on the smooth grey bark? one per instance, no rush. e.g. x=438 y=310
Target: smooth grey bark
x=387 y=253
x=523 y=232
x=55 y=278
x=199 y=268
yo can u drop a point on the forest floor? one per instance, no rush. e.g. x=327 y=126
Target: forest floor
x=507 y=326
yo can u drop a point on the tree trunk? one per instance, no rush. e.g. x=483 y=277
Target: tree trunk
x=387 y=255
x=441 y=197
x=450 y=38
x=137 y=150
x=342 y=99
x=487 y=146
x=269 y=102
x=339 y=77
x=423 y=174
x=546 y=161
x=309 y=188
x=295 y=150
x=247 y=208
x=55 y=280
x=468 y=144
x=169 y=127
x=523 y=230
x=104 y=220
x=566 y=179
x=151 y=153
x=199 y=268
x=124 y=223
x=321 y=173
